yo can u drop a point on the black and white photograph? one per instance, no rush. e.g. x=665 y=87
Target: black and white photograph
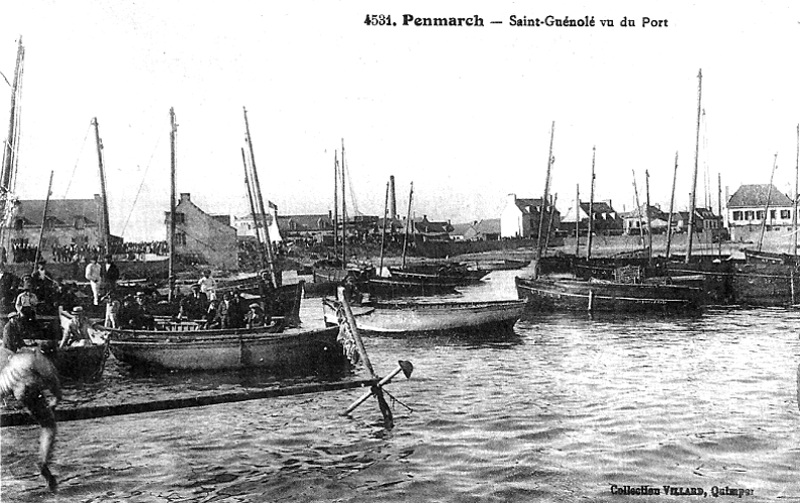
x=352 y=251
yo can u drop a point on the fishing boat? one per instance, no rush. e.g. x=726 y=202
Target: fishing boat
x=416 y=317
x=85 y=362
x=185 y=346
x=601 y=295
x=458 y=273
x=391 y=287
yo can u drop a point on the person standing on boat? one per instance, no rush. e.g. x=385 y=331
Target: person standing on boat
x=195 y=305
x=93 y=275
x=255 y=317
x=110 y=274
x=8 y=290
x=27 y=375
x=208 y=285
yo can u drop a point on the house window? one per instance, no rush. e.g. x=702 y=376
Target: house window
x=180 y=238
x=748 y=215
x=79 y=223
x=786 y=214
x=18 y=224
x=737 y=215
x=772 y=214
x=760 y=214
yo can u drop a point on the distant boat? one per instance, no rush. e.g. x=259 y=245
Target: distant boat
x=430 y=317
x=601 y=295
x=445 y=272
x=184 y=346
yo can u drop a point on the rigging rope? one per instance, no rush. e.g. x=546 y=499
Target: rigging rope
x=138 y=191
x=80 y=153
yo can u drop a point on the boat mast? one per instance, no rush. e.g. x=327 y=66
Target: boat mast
x=638 y=209
x=383 y=233
x=719 y=212
x=550 y=160
x=44 y=221
x=104 y=231
x=796 y=190
x=550 y=224
x=694 y=176
x=261 y=254
x=11 y=150
x=766 y=205
x=647 y=210
x=173 y=165
x=577 y=219
x=344 y=213
x=408 y=224
x=268 y=245
x=591 y=211
x=335 y=203
x=671 y=207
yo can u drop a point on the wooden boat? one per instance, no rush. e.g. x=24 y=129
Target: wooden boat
x=433 y=317
x=459 y=274
x=184 y=346
x=600 y=295
x=764 y=257
x=82 y=362
x=389 y=287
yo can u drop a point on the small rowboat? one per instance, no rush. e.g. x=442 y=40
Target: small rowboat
x=82 y=362
x=429 y=318
x=185 y=346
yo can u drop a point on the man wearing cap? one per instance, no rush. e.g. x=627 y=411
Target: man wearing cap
x=255 y=317
x=195 y=305
x=20 y=327
x=93 y=275
x=139 y=315
x=26 y=298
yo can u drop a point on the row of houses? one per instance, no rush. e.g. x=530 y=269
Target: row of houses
x=212 y=238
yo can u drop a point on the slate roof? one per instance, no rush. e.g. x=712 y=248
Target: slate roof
x=525 y=204
x=597 y=207
x=755 y=195
x=63 y=211
x=488 y=226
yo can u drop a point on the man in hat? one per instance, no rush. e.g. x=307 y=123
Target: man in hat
x=21 y=326
x=93 y=275
x=26 y=297
x=140 y=317
x=110 y=274
x=255 y=317
x=195 y=305
x=77 y=331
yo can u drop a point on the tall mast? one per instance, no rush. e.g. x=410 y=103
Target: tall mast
x=261 y=253
x=10 y=152
x=647 y=212
x=268 y=244
x=173 y=165
x=408 y=223
x=44 y=222
x=591 y=211
x=638 y=208
x=766 y=205
x=335 y=203
x=544 y=202
x=104 y=231
x=550 y=223
x=671 y=207
x=577 y=219
x=719 y=212
x=344 y=213
x=796 y=189
x=383 y=233
x=694 y=176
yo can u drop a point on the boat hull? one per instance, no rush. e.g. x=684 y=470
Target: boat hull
x=590 y=296
x=293 y=350
x=429 y=318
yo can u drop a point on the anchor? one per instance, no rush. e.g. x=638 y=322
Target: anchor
x=376 y=389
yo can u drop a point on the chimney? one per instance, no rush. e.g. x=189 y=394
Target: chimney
x=185 y=196
x=392 y=198
x=330 y=214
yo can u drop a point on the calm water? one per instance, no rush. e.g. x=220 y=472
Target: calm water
x=560 y=410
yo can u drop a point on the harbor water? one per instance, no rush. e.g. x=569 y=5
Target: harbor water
x=566 y=408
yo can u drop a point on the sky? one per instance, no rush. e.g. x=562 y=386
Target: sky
x=465 y=113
